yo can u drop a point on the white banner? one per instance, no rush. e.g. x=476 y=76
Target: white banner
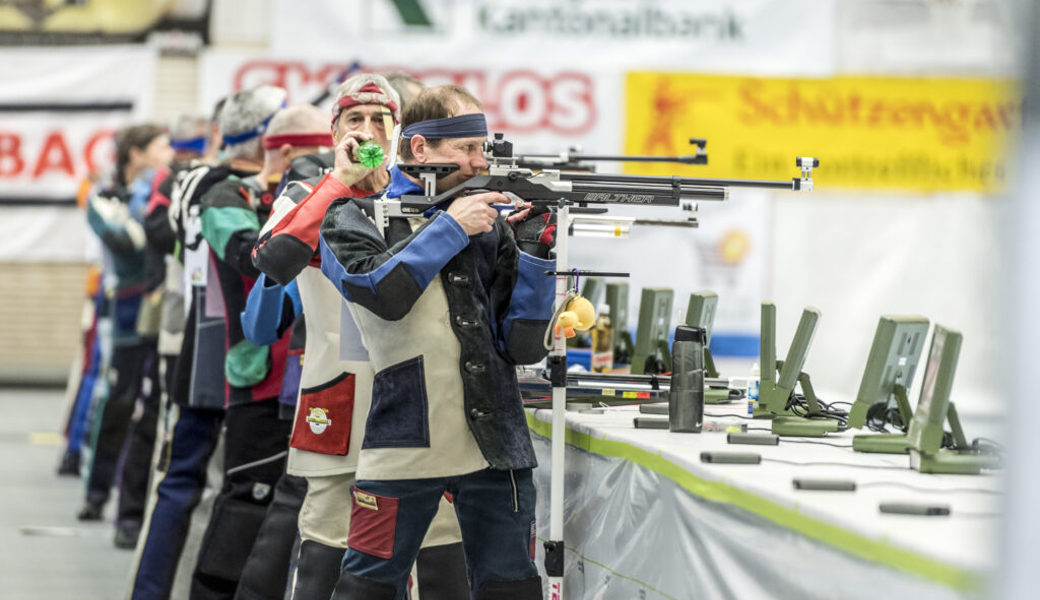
x=58 y=110
x=744 y=36
x=550 y=74
x=538 y=109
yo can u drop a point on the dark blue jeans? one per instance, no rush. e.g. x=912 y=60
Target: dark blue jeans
x=191 y=444
x=496 y=514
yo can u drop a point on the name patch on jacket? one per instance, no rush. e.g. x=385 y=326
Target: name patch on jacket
x=366 y=500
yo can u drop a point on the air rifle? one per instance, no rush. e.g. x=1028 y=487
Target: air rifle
x=557 y=188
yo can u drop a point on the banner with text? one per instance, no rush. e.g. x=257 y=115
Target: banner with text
x=540 y=110
x=789 y=37
x=59 y=108
x=918 y=134
x=83 y=22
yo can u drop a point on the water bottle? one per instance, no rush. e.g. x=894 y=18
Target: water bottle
x=602 y=359
x=686 y=393
x=752 y=390
x=370 y=154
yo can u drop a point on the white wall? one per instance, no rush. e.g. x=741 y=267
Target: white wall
x=857 y=256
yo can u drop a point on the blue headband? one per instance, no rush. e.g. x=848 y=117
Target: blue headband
x=238 y=138
x=462 y=126
x=196 y=145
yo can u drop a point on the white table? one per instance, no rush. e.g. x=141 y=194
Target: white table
x=646 y=519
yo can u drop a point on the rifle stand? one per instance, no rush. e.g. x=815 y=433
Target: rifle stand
x=889 y=443
x=961 y=461
x=811 y=425
x=882 y=443
x=717 y=395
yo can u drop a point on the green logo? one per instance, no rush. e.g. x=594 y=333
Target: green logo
x=412 y=13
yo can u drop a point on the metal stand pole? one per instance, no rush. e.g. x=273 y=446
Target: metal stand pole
x=554 y=549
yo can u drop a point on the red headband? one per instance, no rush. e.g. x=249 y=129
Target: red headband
x=369 y=93
x=298 y=139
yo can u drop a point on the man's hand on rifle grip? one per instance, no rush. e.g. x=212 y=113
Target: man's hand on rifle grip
x=474 y=213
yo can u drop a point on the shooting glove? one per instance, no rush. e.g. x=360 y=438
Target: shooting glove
x=536 y=234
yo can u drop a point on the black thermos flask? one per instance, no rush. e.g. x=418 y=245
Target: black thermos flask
x=686 y=394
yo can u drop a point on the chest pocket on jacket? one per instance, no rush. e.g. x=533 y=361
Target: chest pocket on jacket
x=399 y=417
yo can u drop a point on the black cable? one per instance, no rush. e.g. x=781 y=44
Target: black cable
x=787 y=441
x=932 y=490
x=880 y=414
x=799 y=406
x=718 y=416
x=893 y=416
x=877 y=418
x=831 y=464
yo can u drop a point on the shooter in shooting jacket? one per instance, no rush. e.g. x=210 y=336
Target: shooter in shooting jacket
x=446 y=311
x=336 y=388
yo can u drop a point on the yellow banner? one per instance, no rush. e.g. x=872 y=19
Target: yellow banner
x=97 y=17
x=868 y=132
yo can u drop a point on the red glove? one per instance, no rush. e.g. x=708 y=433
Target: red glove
x=535 y=234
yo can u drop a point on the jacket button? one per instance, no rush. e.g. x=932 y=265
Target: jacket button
x=474 y=413
x=473 y=367
x=463 y=322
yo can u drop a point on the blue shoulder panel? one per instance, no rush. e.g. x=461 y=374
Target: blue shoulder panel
x=261 y=319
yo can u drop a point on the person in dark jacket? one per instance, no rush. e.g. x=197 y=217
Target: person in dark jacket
x=115 y=214
x=199 y=387
x=162 y=310
x=256 y=440
x=447 y=307
x=336 y=380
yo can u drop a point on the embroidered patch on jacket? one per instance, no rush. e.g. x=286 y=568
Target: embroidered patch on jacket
x=261 y=490
x=319 y=420
x=366 y=500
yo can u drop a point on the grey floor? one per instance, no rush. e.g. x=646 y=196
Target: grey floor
x=45 y=553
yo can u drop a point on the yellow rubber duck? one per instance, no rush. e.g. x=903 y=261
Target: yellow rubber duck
x=578 y=316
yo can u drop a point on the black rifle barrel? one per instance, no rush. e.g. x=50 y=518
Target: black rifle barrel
x=691 y=222
x=683 y=181
x=686 y=159
x=575 y=379
x=684 y=192
x=549 y=159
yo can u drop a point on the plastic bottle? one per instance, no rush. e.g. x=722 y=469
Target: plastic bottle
x=370 y=154
x=752 y=390
x=602 y=358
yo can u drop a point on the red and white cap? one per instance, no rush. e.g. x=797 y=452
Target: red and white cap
x=366 y=88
